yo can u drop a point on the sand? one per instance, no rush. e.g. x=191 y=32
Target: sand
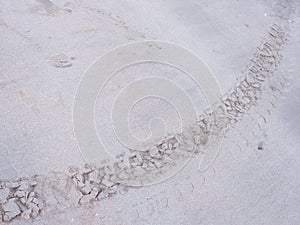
x=48 y=45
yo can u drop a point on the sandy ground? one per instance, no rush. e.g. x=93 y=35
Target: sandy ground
x=244 y=186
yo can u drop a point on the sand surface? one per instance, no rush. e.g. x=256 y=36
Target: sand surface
x=46 y=47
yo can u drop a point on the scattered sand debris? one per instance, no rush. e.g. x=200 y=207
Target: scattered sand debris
x=60 y=61
x=19 y=198
x=260 y=146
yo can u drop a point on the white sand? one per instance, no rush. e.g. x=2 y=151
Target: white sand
x=46 y=48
